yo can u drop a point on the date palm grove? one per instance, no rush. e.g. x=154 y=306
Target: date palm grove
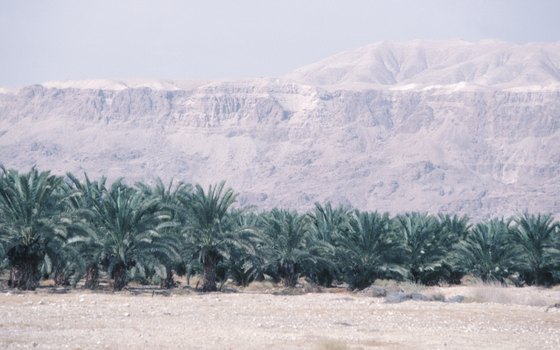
x=71 y=231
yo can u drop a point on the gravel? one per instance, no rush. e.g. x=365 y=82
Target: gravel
x=82 y=320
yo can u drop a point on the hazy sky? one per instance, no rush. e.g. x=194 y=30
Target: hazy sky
x=206 y=39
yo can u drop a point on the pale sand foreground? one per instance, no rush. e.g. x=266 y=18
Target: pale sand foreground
x=82 y=320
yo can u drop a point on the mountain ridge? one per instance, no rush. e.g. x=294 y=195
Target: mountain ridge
x=541 y=59
x=483 y=64
x=457 y=148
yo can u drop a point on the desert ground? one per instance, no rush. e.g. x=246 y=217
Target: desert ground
x=490 y=317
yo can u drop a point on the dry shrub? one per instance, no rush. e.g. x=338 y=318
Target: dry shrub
x=470 y=280
x=411 y=287
x=495 y=292
x=437 y=297
x=47 y=283
x=393 y=286
x=289 y=291
x=332 y=344
x=195 y=281
x=308 y=286
x=260 y=286
x=303 y=286
x=386 y=283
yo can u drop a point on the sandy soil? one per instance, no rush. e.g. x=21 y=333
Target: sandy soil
x=85 y=320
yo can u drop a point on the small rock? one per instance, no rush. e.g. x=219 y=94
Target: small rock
x=455 y=299
x=419 y=297
x=398 y=297
x=126 y=314
x=375 y=291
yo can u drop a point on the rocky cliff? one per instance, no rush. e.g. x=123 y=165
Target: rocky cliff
x=392 y=127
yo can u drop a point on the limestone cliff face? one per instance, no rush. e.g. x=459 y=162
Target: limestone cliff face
x=461 y=147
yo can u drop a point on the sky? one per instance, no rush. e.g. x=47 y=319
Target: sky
x=44 y=40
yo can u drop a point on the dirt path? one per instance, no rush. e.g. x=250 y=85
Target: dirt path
x=257 y=321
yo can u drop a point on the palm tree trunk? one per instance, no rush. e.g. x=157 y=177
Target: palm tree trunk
x=23 y=275
x=290 y=279
x=168 y=282
x=542 y=277
x=119 y=277
x=60 y=279
x=209 y=275
x=92 y=277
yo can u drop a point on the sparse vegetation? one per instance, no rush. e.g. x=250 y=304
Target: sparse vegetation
x=67 y=230
x=332 y=345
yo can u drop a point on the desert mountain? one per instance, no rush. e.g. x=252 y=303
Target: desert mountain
x=425 y=64
x=458 y=127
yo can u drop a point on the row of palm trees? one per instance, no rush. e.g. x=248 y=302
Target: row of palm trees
x=69 y=230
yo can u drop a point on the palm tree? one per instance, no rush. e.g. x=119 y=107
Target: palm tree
x=488 y=251
x=454 y=229
x=428 y=242
x=535 y=235
x=66 y=267
x=247 y=262
x=169 y=199
x=369 y=250
x=208 y=234
x=326 y=225
x=291 y=250
x=33 y=224
x=129 y=226
x=457 y=226
x=83 y=197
